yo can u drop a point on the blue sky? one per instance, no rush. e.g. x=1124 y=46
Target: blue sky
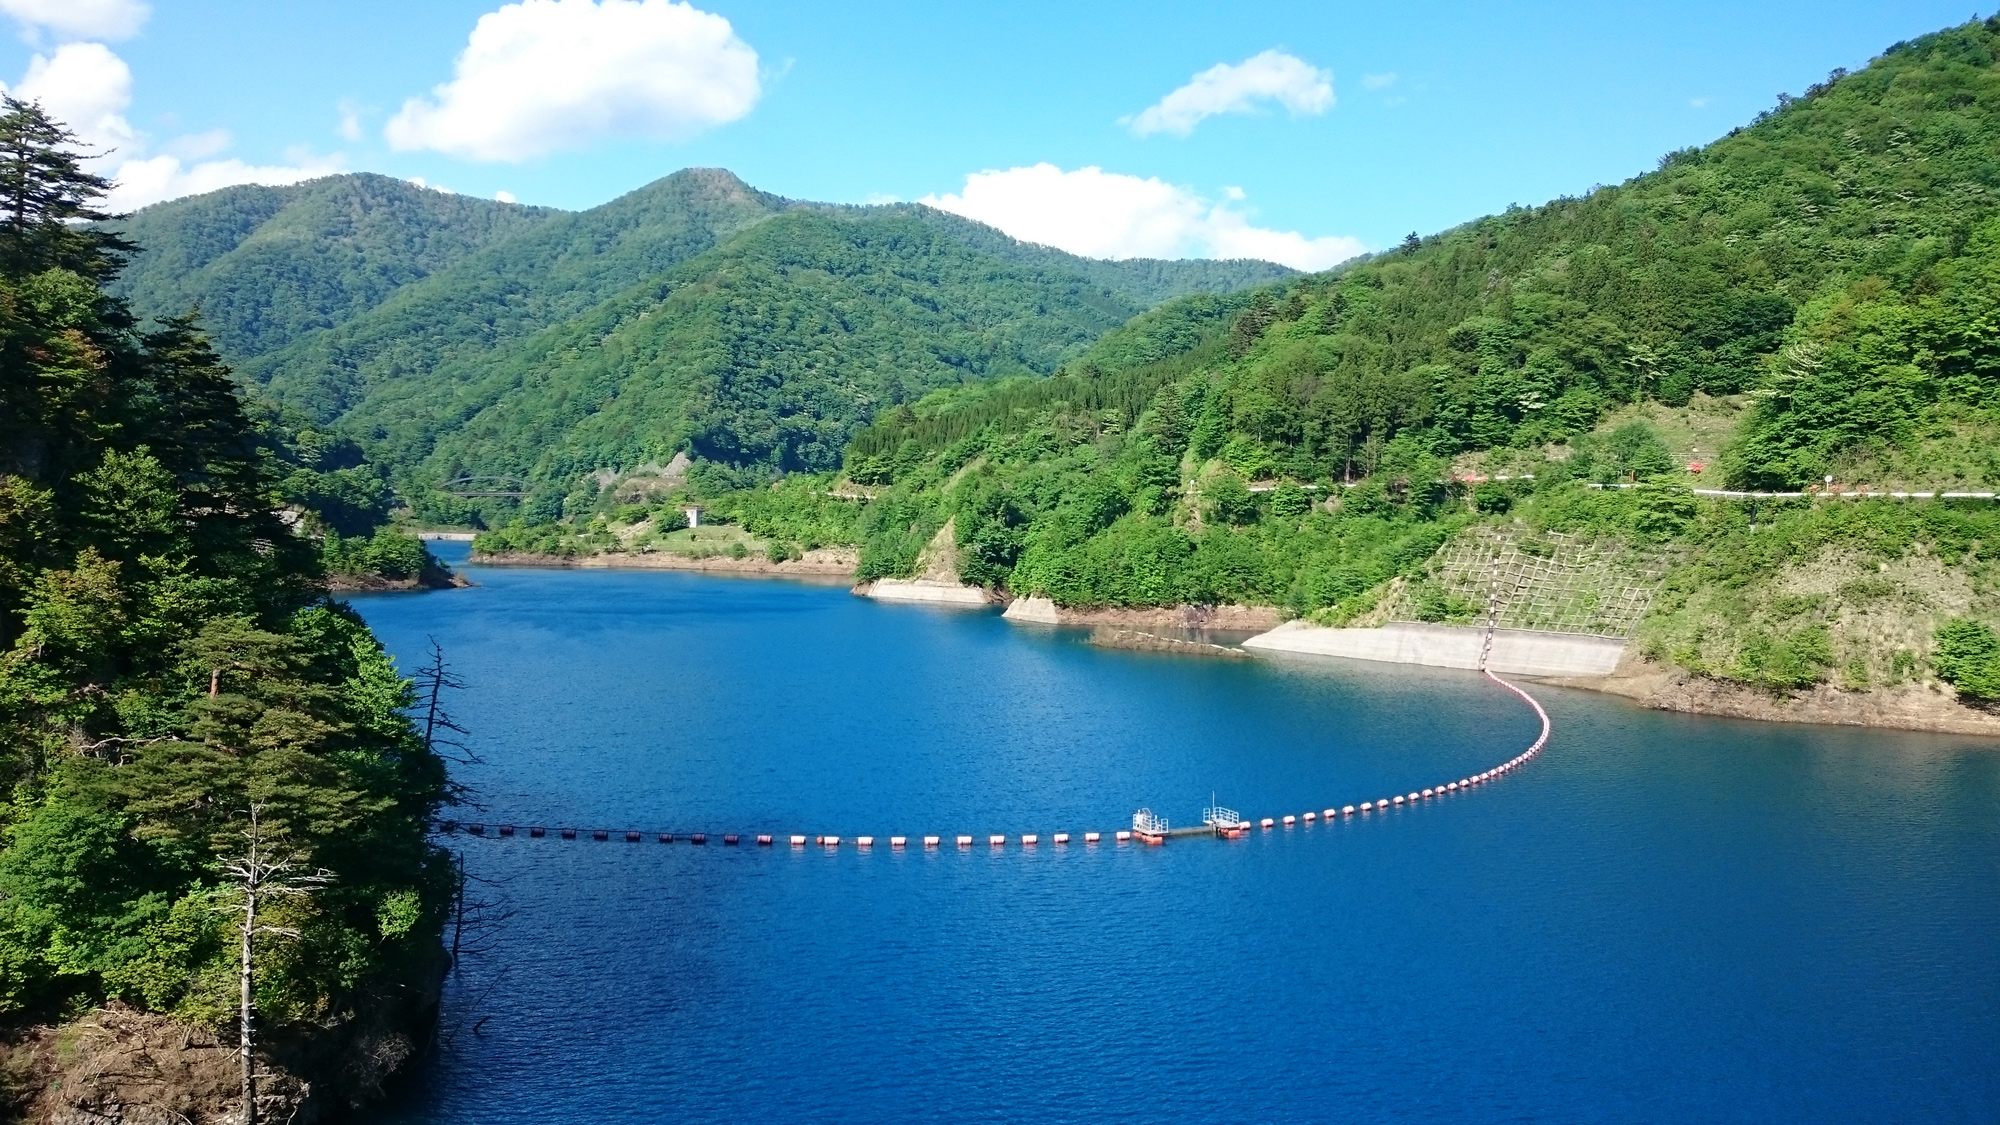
x=1373 y=120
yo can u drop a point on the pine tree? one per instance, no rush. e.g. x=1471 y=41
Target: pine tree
x=45 y=194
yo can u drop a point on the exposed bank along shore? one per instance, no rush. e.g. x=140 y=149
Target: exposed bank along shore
x=1611 y=665
x=1603 y=664
x=826 y=562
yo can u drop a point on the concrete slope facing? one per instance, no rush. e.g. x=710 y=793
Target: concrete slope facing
x=1518 y=651
x=931 y=593
x=937 y=581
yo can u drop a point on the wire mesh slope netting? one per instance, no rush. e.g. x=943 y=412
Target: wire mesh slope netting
x=1546 y=581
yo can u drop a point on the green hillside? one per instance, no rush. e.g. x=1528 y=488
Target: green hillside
x=457 y=337
x=1810 y=296
x=270 y=265
x=169 y=669
x=770 y=350
x=556 y=271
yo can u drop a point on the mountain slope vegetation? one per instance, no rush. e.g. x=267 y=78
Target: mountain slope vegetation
x=170 y=670
x=516 y=328
x=1821 y=281
x=269 y=265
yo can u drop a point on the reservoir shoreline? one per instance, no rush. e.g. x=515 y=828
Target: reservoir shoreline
x=1915 y=707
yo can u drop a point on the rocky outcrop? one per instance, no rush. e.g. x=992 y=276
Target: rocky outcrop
x=1236 y=618
x=119 y=1066
x=1138 y=641
x=435 y=576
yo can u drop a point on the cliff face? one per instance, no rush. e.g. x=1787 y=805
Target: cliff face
x=119 y=1066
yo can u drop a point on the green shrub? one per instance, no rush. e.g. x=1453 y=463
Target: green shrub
x=1788 y=660
x=1967 y=657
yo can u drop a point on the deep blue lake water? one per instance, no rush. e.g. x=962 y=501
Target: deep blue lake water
x=1663 y=918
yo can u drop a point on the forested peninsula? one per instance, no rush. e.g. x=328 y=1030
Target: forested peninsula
x=218 y=891
x=1803 y=306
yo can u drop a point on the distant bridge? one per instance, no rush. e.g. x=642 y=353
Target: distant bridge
x=476 y=487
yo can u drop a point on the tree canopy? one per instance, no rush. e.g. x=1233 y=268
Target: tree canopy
x=168 y=659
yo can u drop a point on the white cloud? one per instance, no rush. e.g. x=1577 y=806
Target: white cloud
x=1103 y=214
x=541 y=76
x=88 y=88
x=1269 y=77
x=505 y=197
x=350 y=121
x=194 y=146
x=1378 y=81
x=91 y=19
x=139 y=183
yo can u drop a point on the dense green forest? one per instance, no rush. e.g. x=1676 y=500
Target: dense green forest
x=1816 y=287
x=169 y=662
x=268 y=266
x=455 y=337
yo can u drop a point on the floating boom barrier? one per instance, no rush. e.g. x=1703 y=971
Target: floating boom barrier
x=1147 y=828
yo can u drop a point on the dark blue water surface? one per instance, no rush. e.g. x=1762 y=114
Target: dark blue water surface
x=1662 y=918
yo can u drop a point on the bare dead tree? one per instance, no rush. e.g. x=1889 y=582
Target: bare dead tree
x=258 y=874
x=442 y=734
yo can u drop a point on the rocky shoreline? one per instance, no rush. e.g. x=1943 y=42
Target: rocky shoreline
x=1251 y=618
x=119 y=1066
x=1930 y=707
x=825 y=562
x=1137 y=641
x=377 y=584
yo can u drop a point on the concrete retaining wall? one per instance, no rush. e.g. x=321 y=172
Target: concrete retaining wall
x=933 y=593
x=1039 y=610
x=1445 y=646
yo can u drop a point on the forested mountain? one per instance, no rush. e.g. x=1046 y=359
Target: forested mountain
x=405 y=318
x=1809 y=297
x=178 y=698
x=268 y=265
x=1841 y=232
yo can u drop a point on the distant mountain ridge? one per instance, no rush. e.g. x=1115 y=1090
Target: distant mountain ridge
x=268 y=265
x=456 y=335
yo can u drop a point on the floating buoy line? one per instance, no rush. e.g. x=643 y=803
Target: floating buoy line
x=1146 y=828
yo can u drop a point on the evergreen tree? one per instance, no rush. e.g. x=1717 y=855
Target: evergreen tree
x=168 y=660
x=45 y=195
